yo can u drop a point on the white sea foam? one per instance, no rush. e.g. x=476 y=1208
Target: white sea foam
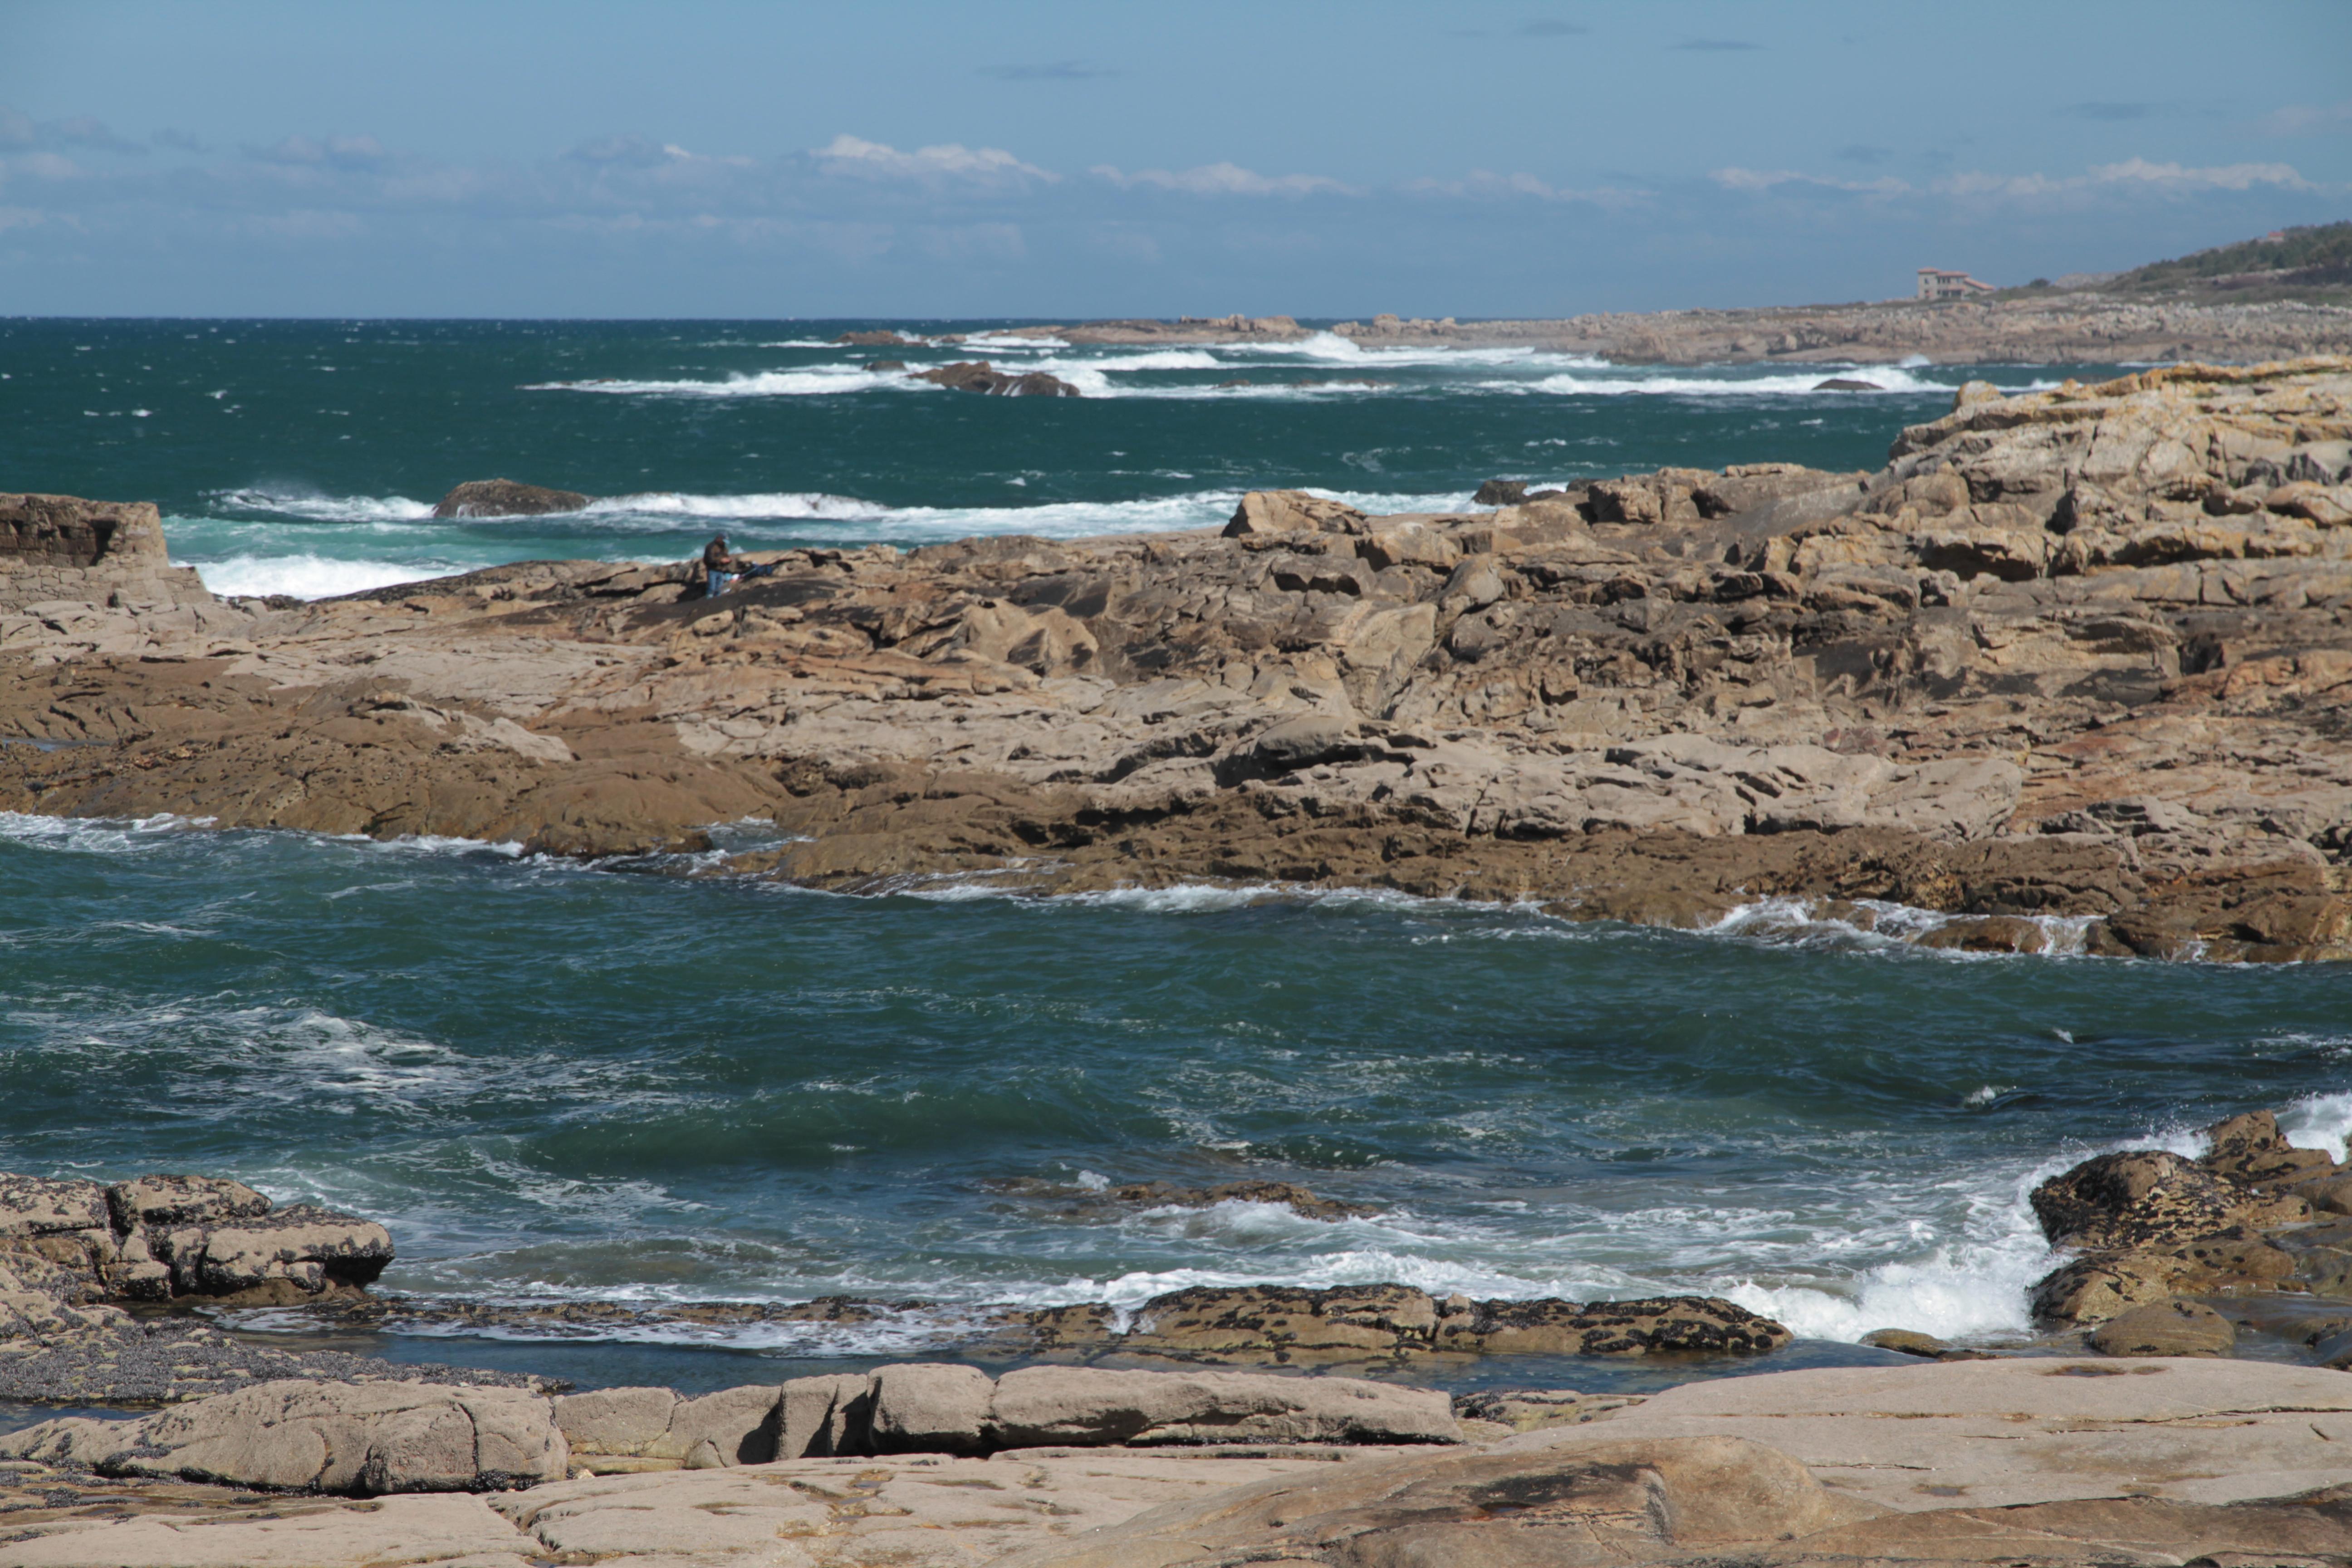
x=777 y=504
x=1881 y=926
x=2320 y=1121
x=97 y=836
x=1887 y=378
x=317 y=508
x=813 y=381
x=309 y=577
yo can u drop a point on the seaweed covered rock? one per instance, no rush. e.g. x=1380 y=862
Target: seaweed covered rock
x=2143 y=1198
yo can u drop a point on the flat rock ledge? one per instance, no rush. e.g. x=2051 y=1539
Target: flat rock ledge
x=2050 y=1461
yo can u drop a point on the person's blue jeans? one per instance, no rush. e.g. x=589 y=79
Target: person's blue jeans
x=715 y=583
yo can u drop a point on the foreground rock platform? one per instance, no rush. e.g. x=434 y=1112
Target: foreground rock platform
x=2046 y=1462
x=2072 y=671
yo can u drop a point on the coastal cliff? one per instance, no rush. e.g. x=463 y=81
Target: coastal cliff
x=2081 y=653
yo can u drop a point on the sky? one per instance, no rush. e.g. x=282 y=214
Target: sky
x=1031 y=158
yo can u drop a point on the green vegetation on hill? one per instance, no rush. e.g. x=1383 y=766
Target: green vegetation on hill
x=2297 y=263
x=2312 y=264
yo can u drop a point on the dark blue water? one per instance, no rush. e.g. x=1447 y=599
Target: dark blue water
x=304 y=457
x=558 y=1080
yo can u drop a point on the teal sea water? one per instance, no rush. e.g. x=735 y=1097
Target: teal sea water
x=638 y=1083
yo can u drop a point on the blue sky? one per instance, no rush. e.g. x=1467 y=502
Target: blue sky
x=1043 y=159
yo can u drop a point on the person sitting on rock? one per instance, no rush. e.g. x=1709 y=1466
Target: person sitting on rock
x=719 y=568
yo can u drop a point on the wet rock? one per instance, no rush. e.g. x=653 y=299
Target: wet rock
x=2166 y=1328
x=1988 y=933
x=506 y=497
x=1846 y=383
x=1906 y=1341
x=1660 y=1325
x=979 y=375
x=878 y=338
x=880 y=365
x=2139 y=1198
x=2104 y=1285
x=1297 y=1199
x=2249 y=1150
x=53 y=1352
x=1511 y=492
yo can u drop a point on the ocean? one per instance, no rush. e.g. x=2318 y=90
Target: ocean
x=647 y=1084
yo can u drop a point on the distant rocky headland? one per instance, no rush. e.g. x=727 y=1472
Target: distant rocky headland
x=2283 y=295
x=2029 y=328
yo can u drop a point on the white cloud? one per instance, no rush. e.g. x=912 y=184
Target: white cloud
x=1485 y=183
x=847 y=155
x=1737 y=179
x=2305 y=120
x=1221 y=180
x=2132 y=174
x=330 y=151
x=2227 y=177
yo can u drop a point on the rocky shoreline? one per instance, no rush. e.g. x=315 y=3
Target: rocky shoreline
x=2072 y=672
x=2158 y=1444
x=2066 y=326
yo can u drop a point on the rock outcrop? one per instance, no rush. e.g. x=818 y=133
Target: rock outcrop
x=2253 y=1214
x=61 y=551
x=2071 y=669
x=2055 y=1461
x=1283 y=1325
x=506 y=497
x=979 y=375
x=364 y=1439
x=162 y=1238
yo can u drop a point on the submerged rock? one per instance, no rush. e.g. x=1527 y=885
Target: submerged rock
x=506 y=497
x=1297 y=1199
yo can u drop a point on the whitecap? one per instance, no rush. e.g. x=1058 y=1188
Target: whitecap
x=309 y=577
x=317 y=508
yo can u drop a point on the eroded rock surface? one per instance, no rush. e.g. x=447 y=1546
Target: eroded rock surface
x=361 y=1439
x=2044 y=1460
x=2074 y=666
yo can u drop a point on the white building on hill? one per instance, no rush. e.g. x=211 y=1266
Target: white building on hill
x=1935 y=283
